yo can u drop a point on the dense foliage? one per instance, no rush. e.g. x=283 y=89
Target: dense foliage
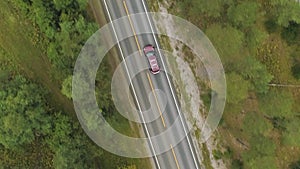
x=258 y=43
x=26 y=118
x=65 y=27
x=34 y=131
x=23 y=112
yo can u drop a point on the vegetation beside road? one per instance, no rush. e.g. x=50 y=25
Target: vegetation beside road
x=258 y=43
x=39 y=44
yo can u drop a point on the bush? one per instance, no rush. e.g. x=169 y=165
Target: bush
x=296 y=70
x=295 y=165
x=291 y=33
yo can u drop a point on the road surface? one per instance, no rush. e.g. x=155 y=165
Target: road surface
x=181 y=155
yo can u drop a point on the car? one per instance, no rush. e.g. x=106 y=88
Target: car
x=150 y=53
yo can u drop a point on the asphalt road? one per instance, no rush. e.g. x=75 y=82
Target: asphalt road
x=180 y=153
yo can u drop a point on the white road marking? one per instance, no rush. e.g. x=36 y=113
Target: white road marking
x=169 y=83
x=148 y=135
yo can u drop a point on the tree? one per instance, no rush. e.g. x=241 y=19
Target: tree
x=262 y=145
x=276 y=103
x=59 y=5
x=254 y=38
x=237 y=88
x=128 y=167
x=236 y=164
x=44 y=14
x=71 y=147
x=23 y=112
x=66 y=29
x=257 y=73
x=212 y=8
x=254 y=124
x=285 y=11
x=292 y=135
x=261 y=154
x=266 y=162
x=103 y=89
x=67 y=87
x=295 y=165
x=243 y=15
x=82 y=4
x=291 y=33
x=275 y=53
x=13 y=135
x=92 y=120
x=227 y=40
x=296 y=70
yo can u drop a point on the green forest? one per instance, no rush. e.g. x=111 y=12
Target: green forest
x=258 y=42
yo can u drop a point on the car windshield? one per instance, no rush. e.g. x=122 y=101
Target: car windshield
x=150 y=54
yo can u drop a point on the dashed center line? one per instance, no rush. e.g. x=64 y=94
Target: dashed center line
x=175 y=158
x=140 y=51
x=132 y=28
x=156 y=100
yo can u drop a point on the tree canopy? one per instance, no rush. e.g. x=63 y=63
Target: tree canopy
x=23 y=112
x=285 y=11
x=244 y=14
x=296 y=69
x=276 y=103
x=67 y=87
x=237 y=88
x=261 y=154
x=258 y=43
x=255 y=125
x=254 y=71
x=71 y=146
x=292 y=134
x=254 y=38
x=211 y=8
x=228 y=49
x=266 y=162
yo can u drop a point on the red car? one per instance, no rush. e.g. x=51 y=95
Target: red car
x=150 y=54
